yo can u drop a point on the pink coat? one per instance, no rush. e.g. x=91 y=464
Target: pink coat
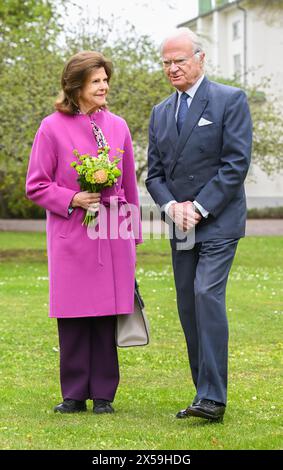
x=87 y=277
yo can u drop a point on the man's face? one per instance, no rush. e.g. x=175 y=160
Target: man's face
x=188 y=67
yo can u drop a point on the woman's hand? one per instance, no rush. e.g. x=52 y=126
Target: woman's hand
x=85 y=199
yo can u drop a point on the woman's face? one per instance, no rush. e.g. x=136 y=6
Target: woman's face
x=93 y=94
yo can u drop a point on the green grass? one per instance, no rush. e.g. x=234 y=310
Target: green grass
x=155 y=381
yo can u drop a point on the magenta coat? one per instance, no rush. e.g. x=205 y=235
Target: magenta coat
x=87 y=277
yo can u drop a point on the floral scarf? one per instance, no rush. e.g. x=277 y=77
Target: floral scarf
x=97 y=132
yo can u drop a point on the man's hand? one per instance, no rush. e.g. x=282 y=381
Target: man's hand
x=184 y=215
x=85 y=199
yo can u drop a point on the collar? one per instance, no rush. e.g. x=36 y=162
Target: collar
x=84 y=114
x=193 y=89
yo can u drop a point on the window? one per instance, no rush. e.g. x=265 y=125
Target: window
x=237 y=65
x=236 y=30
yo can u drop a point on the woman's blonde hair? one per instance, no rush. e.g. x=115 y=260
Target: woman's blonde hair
x=75 y=74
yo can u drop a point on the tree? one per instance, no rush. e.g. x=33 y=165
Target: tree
x=267 y=150
x=266 y=5
x=269 y=10
x=268 y=130
x=138 y=82
x=32 y=59
x=29 y=78
x=30 y=81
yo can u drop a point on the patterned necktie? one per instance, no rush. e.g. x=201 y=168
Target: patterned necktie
x=182 y=111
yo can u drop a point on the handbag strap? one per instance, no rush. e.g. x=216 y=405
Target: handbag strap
x=138 y=295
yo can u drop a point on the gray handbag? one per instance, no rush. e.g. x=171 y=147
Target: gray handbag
x=133 y=329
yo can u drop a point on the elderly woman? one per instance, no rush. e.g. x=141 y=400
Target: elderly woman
x=91 y=277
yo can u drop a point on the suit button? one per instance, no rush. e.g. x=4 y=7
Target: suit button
x=191 y=177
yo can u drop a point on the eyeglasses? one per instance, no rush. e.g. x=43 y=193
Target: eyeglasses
x=179 y=62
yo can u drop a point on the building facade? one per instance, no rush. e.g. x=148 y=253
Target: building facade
x=241 y=42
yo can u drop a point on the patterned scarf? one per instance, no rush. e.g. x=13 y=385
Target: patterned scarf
x=98 y=135
x=97 y=132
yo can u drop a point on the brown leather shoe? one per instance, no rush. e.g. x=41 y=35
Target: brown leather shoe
x=70 y=406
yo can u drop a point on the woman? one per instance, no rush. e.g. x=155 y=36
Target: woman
x=91 y=279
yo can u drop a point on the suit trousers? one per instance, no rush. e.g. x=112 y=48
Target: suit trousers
x=201 y=276
x=89 y=366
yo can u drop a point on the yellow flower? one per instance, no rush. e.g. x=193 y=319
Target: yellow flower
x=100 y=176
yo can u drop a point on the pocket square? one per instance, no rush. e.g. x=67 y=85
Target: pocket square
x=204 y=122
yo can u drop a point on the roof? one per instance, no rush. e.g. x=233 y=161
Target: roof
x=222 y=7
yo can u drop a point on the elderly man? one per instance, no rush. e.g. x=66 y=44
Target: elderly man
x=199 y=153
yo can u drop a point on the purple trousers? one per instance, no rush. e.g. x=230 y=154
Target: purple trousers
x=89 y=366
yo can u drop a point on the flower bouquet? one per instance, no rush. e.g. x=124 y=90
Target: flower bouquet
x=95 y=173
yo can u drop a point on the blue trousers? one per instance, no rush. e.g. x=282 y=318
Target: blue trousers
x=201 y=276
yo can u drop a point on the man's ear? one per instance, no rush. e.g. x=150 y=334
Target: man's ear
x=201 y=56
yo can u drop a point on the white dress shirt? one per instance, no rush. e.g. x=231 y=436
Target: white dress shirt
x=191 y=93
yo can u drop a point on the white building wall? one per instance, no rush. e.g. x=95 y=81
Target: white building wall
x=234 y=46
x=263 y=190
x=264 y=59
x=265 y=52
x=223 y=64
x=203 y=27
x=214 y=34
x=264 y=45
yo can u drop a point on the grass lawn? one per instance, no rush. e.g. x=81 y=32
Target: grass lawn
x=155 y=380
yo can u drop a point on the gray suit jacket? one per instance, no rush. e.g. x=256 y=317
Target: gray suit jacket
x=204 y=163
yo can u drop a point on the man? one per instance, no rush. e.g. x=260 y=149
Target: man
x=199 y=153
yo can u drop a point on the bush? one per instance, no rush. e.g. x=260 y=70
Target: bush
x=266 y=213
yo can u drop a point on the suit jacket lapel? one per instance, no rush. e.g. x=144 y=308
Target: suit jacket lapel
x=196 y=109
x=171 y=129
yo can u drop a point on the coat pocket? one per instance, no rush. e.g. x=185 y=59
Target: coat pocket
x=68 y=226
x=65 y=228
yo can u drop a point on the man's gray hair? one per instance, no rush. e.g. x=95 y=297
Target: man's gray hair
x=186 y=33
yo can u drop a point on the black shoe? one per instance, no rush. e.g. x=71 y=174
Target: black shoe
x=207 y=409
x=102 y=406
x=70 y=406
x=184 y=413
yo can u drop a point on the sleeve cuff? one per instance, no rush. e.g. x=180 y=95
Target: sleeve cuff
x=201 y=209
x=167 y=206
